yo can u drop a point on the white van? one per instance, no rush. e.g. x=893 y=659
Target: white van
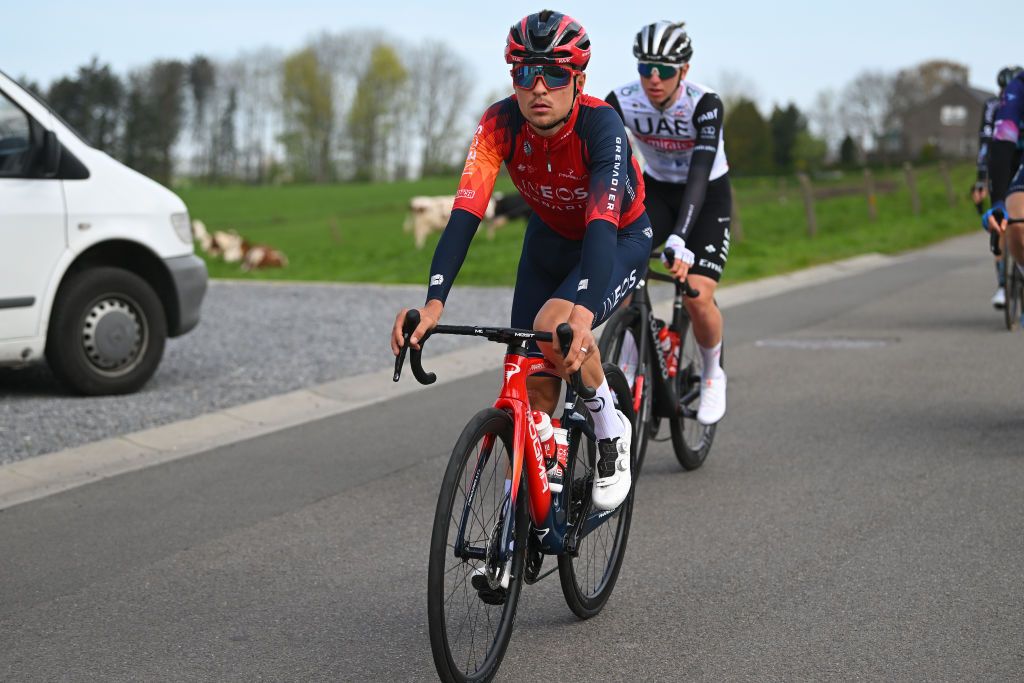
x=96 y=261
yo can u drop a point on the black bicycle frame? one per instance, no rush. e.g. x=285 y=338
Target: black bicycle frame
x=667 y=401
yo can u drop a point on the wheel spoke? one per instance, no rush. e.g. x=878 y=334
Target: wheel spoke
x=468 y=627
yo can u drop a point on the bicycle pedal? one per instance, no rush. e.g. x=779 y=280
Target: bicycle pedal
x=487 y=595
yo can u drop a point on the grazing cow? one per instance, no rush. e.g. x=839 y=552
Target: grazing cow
x=427 y=214
x=202 y=236
x=262 y=256
x=229 y=245
x=508 y=207
x=234 y=248
x=430 y=214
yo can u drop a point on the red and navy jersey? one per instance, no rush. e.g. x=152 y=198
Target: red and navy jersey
x=585 y=172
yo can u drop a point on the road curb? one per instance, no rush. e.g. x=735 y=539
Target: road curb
x=45 y=475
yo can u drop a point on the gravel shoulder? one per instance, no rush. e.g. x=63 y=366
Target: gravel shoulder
x=255 y=340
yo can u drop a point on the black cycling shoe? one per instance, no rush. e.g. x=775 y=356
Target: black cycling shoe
x=490 y=596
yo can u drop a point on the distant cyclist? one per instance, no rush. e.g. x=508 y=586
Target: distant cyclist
x=1005 y=171
x=677 y=125
x=981 y=186
x=589 y=239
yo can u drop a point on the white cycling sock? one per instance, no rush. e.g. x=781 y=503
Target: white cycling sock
x=602 y=407
x=711 y=357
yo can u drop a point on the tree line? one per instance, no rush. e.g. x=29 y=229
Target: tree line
x=346 y=106
x=361 y=106
x=860 y=122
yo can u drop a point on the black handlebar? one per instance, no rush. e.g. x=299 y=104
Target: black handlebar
x=670 y=256
x=993 y=238
x=412 y=321
x=505 y=335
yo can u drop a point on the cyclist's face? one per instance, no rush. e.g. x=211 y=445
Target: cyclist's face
x=543 y=106
x=657 y=89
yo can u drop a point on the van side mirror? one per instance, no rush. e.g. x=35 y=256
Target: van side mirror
x=50 y=157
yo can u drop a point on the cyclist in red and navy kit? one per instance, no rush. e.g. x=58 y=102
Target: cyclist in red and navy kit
x=588 y=241
x=677 y=125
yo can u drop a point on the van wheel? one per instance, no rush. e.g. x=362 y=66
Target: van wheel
x=107 y=332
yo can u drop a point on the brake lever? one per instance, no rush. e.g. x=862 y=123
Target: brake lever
x=412 y=321
x=576 y=379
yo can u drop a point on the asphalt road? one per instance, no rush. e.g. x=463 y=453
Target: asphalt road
x=861 y=517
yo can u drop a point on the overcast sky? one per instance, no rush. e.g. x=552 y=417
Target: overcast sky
x=786 y=50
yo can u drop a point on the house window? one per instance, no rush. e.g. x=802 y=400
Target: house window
x=953 y=115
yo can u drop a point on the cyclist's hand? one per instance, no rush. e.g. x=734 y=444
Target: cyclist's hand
x=978 y=193
x=683 y=257
x=995 y=218
x=580 y=320
x=429 y=315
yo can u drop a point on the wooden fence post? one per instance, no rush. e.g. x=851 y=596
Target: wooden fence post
x=736 y=225
x=869 y=190
x=948 y=182
x=915 y=199
x=808 y=192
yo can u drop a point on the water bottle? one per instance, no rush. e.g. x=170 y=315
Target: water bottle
x=668 y=342
x=546 y=435
x=673 y=357
x=556 y=474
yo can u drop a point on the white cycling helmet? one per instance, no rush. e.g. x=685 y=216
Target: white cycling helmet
x=665 y=42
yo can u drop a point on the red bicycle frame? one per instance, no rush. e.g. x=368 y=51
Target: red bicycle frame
x=526 y=448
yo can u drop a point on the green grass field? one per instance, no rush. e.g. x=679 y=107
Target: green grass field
x=353 y=232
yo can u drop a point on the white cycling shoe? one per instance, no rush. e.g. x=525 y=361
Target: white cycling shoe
x=612 y=477
x=999 y=298
x=712 y=399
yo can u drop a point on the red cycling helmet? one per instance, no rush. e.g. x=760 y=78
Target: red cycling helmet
x=548 y=37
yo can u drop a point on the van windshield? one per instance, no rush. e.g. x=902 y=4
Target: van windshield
x=41 y=101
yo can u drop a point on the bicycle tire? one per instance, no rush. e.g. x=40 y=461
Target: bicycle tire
x=587 y=595
x=474 y=655
x=620 y=344
x=691 y=441
x=1014 y=285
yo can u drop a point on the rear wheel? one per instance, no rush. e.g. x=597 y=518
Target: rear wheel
x=472 y=597
x=621 y=345
x=691 y=440
x=589 y=576
x=1014 y=293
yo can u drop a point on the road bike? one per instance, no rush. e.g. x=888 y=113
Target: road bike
x=630 y=340
x=498 y=515
x=1014 y=280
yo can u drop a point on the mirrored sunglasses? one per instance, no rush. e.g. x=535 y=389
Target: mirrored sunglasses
x=555 y=77
x=647 y=69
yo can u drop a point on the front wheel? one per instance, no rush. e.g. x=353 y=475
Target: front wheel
x=589 y=576
x=471 y=592
x=691 y=440
x=107 y=332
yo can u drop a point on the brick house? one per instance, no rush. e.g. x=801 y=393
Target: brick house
x=948 y=122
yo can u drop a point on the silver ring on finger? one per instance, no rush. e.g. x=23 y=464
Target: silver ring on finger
x=583 y=349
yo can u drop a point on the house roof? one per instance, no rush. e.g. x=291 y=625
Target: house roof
x=974 y=93
x=981 y=95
